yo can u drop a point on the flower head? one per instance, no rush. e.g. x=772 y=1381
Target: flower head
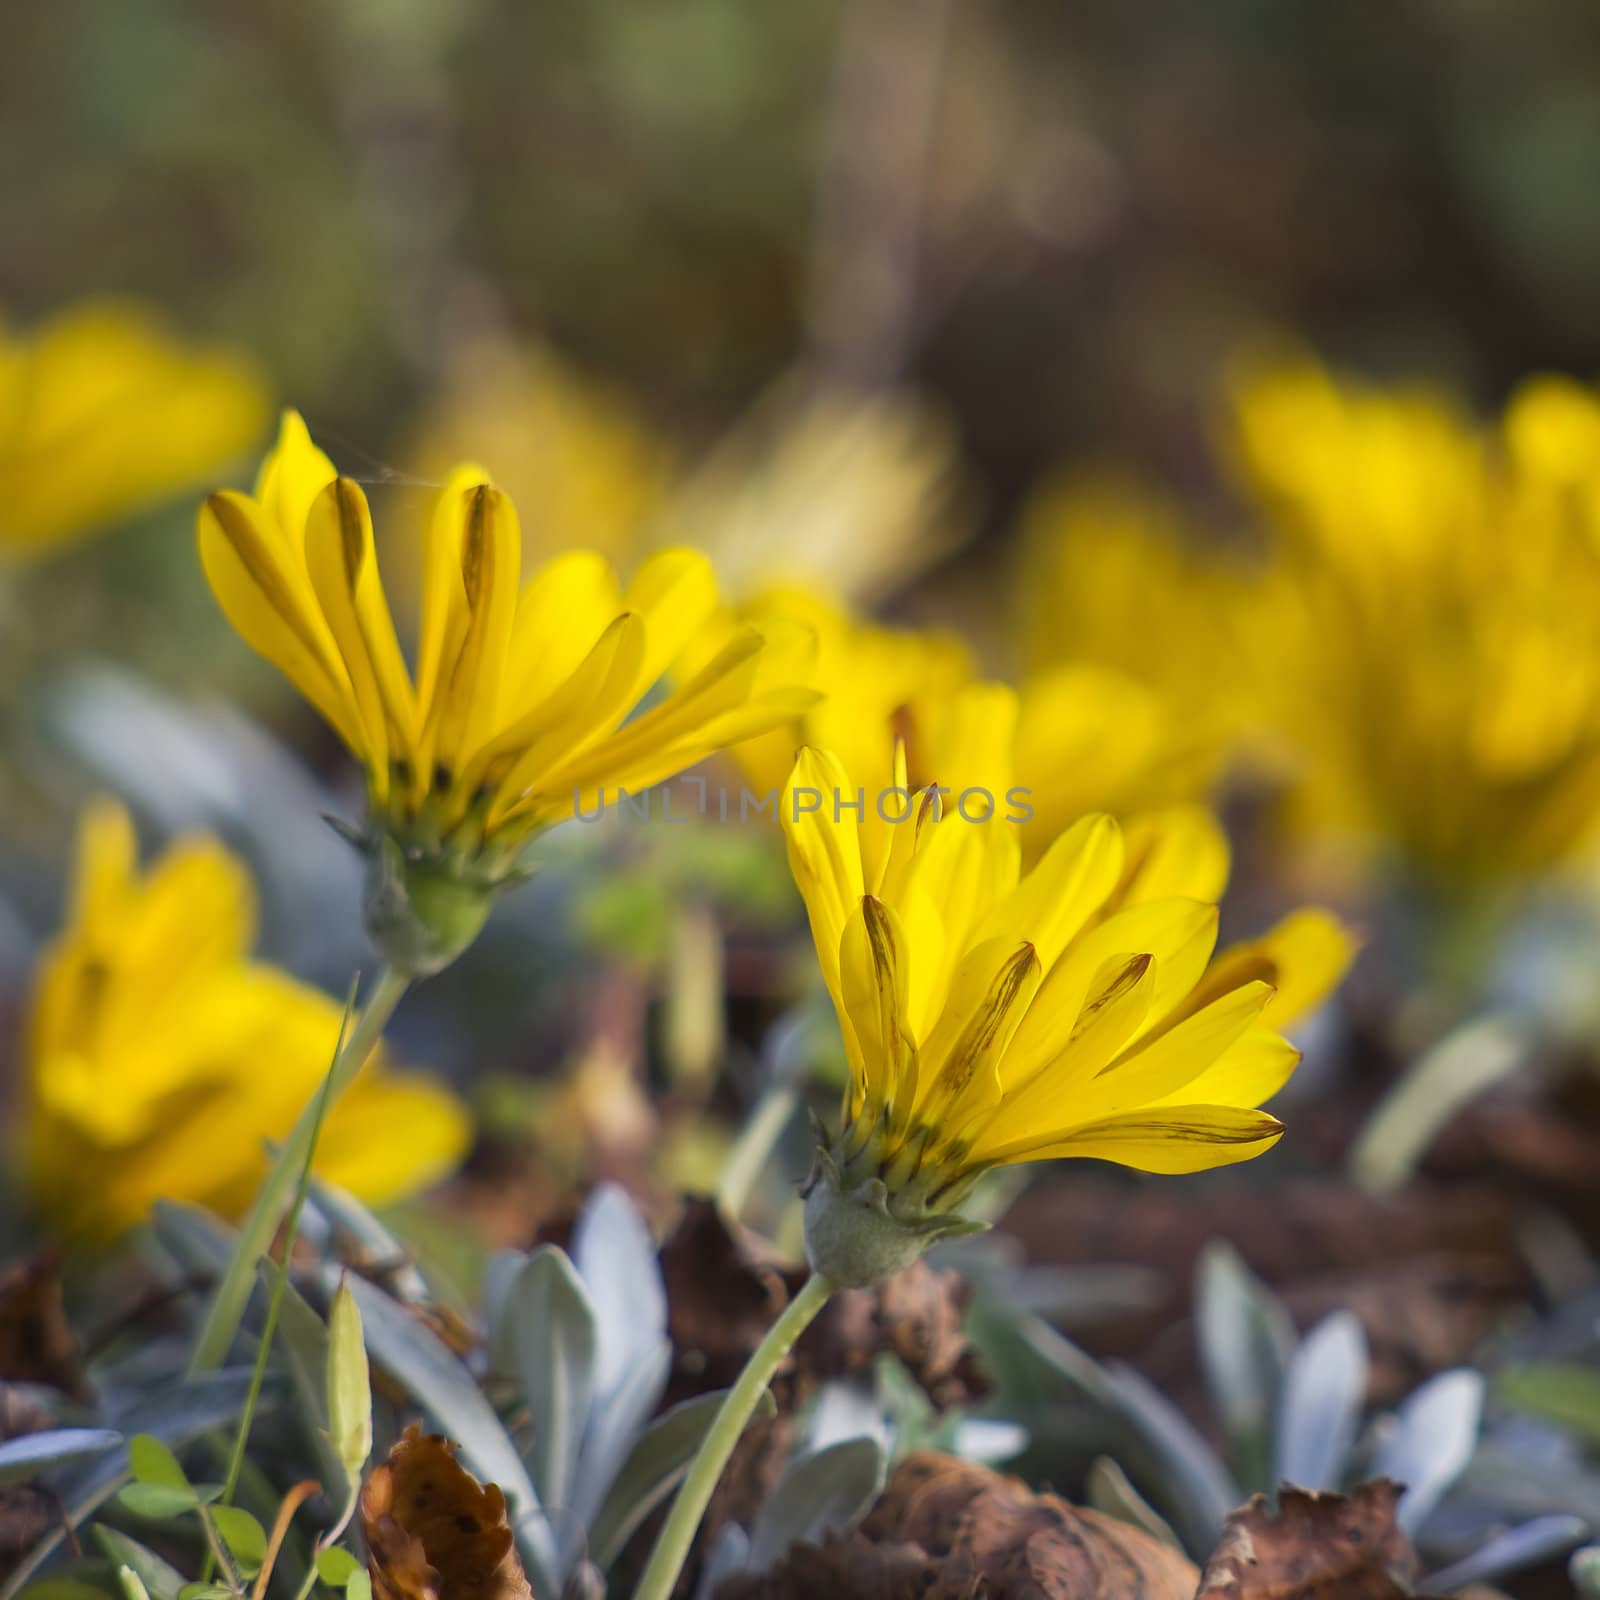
x=522 y=706
x=1422 y=646
x=160 y=1056
x=993 y=1016
x=103 y=412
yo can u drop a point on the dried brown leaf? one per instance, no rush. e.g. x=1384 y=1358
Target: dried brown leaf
x=1315 y=1547
x=946 y=1529
x=434 y=1532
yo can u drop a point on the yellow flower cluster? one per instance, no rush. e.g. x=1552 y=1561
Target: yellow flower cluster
x=161 y=1057
x=103 y=413
x=1422 y=644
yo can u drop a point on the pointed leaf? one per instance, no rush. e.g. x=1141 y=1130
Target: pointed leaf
x=1433 y=1440
x=616 y=1258
x=1246 y=1337
x=825 y=1492
x=545 y=1336
x=1107 y=1489
x=655 y=1466
x=36 y=1453
x=1324 y=1390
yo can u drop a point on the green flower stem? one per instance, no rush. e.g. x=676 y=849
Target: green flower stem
x=754 y=1144
x=277 y=1192
x=677 y=1533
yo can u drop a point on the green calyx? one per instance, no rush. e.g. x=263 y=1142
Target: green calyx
x=423 y=907
x=860 y=1231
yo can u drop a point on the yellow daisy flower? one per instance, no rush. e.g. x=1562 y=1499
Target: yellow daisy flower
x=1423 y=645
x=522 y=708
x=994 y=1016
x=103 y=412
x=160 y=1057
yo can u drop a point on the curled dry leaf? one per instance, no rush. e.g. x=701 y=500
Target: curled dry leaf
x=1315 y=1547
x=916 y=1315
x=434 y=1532
x=36 y=1345
x=946 y=1529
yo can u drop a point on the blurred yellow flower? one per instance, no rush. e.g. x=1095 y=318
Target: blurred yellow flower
x=994 y=1016
x=104 y=412
x=587 y=471
x=522 y=706
x=1423 y=649
x=160 y=1057
x=875 y=682
x=826 y=489
x=815 y=486
x=1130 y=688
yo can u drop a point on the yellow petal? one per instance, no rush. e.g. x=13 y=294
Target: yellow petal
x=1115 y=1007
x=341 y=559
x=107 y=866
x=1171 y=1139
x=394 y=1134
x=1304 y=958
x=959 y=1065
x=1167 y=1059
x=875 y=978
x=265 y=593
x=1179 y=852
x=563 y=610
x=294 y=473
x=824 y=853
x=1178 y=934
x=593 y=699
x=1248 y=1073
x=466 y=708
x=1068 y=887
x=675 y=592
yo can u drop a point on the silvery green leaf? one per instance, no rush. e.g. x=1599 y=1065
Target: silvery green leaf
x=824 y=1492
x=433 y=1376
x=1245 y=1337
x=989 y=1440
x=1458 y=1069
x=348 y=1216
x=1433 y=1439
x=36 y=1453
x=545 y=1337
x=845 y=1410
x=498 y=1276
x=198 y=1243
x=161 y=1580
x=1324 y=1389
x=615 y=1422
x=616 y=1258
x=730 y=1553
x=1202 y=1489
x=1524 y=1546
x=655 y=1465
x=1107 y=1489
x=1584 y=1570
